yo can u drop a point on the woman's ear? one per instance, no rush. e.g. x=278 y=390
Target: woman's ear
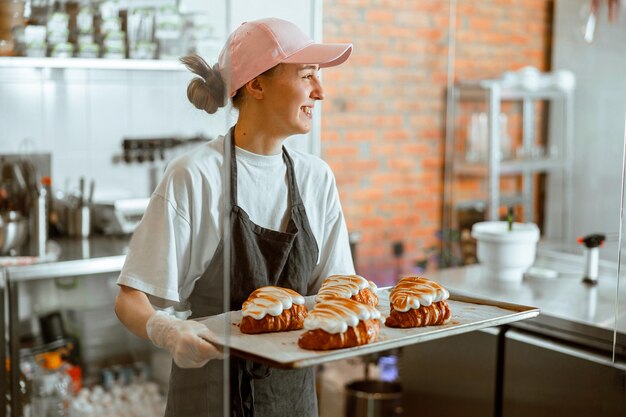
x=254 y=88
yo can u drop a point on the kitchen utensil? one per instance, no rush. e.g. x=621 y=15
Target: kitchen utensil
x=52 y=327
x=505 y=254
x=38 y=221
x=120 y=216
x=79 y=221
x=373 y=398
x=13 y=231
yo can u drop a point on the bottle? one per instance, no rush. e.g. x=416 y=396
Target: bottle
x=51 y=387
x=38 y=222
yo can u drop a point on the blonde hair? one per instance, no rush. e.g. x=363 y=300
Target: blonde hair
x=207 y=91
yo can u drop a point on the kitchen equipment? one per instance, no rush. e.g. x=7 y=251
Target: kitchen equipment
x=505 y=254
x=52 y=328
x=373 y=398
x=38 y=222
x=592 y=244
x=79 y=221
x=51 y=386
x=13 y=188
x=119 y=216
x=13 y=231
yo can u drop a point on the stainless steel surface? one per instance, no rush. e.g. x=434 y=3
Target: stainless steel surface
x=38 y=222
x=98 y=254
x=570 y=309
x=280 y=349
x=372 y=398
x=566 y=349
x=544 y=379
x=493 y=182
x=13 y=234
x=451 y=377
x=530 y=376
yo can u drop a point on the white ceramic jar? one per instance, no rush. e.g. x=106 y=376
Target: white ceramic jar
x=505 y=255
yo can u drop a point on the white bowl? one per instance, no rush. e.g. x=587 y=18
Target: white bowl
x=505 y=255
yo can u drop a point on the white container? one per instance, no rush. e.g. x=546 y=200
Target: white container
x=506 y=255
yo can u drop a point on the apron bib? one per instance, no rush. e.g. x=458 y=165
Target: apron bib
x=259 y=257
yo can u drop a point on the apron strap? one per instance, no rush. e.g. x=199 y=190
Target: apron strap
x=233 y=169
x=294 y=193
x=243 y=372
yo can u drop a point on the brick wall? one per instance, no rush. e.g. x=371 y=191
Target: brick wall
x=384 y=117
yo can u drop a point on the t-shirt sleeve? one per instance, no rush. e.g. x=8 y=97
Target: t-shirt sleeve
x=335 y=255
x=158 y=253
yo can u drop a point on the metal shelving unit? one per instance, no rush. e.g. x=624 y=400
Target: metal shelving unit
x=492 y=94
x=89 y=63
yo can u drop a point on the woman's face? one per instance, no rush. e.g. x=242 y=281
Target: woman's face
x=290 y=93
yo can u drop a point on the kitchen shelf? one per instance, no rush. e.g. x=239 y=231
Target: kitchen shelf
x=78 y=257
x=479 y=90
x=505 y=200
x=510 y=167
x=92 y=63
x=486 y=96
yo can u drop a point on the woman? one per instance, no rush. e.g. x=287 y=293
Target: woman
x=284 y=215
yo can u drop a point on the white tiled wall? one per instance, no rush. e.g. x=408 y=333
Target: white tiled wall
x=81 y=116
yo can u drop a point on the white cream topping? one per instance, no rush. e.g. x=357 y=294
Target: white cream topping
x=343 y=286
x=413 y=292
x=335 y=315
x=270 y=300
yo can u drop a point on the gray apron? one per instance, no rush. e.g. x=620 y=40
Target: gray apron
x=259 y=257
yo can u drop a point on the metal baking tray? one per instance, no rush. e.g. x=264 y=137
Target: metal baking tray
x=281 y=350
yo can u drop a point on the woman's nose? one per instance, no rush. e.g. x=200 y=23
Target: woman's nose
x=318 y=91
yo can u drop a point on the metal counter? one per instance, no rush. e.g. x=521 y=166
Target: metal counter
x=570 y=309
x=77 y=257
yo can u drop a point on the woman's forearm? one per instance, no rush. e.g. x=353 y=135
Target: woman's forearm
x=133 y=309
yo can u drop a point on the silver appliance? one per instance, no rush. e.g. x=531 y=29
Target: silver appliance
x=119 y=217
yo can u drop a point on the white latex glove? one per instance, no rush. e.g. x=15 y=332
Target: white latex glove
x=186 y=340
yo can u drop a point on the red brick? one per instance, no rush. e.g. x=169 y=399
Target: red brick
x=394 y=86
x=380 y=15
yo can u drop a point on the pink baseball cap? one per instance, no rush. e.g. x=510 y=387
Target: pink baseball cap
x=256 y=46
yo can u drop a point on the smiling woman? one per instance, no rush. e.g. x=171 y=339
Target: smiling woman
x=283 y=221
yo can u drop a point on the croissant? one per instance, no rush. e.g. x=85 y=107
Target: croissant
x=417 y=302
x=434 y=314
x=292 y=319
x=364 y=332
x=272 y=309
x=354 y=287
x=340 y=323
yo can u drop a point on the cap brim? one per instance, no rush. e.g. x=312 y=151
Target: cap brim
x=324 y=54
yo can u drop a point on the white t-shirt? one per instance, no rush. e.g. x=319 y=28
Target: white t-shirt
x=175 y=241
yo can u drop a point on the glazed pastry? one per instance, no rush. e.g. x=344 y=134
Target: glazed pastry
x=340 y=323
x=272 y=309
x=348 y=286
x=417 y=302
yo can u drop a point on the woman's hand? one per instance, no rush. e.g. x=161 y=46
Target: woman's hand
x=186 y=340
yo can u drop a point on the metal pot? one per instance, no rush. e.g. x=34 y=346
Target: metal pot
x=372 y=398
x=13 y=231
